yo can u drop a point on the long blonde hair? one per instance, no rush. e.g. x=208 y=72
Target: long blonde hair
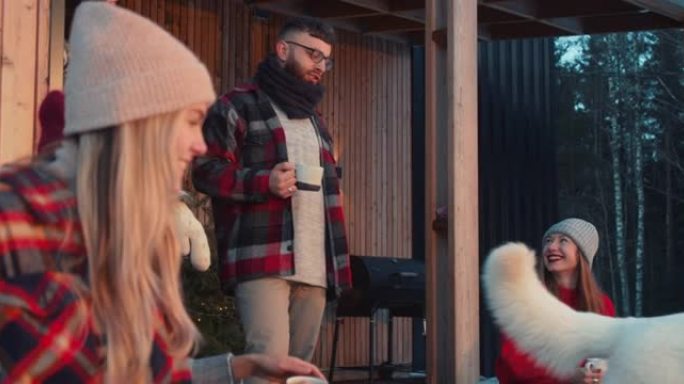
x=125 y=184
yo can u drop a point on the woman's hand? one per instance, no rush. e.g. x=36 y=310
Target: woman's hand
x=271 y=368
x=589 y=376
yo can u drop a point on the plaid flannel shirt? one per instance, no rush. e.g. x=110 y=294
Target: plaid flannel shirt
x=46 y=324
x=254 y=228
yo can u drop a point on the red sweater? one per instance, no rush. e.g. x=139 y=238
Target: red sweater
x=516 y=367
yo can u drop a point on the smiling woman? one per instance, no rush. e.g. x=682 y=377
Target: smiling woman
x=569 y=248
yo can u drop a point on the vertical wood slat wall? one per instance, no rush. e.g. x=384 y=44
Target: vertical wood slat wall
x=24 y=73
x=367 y=106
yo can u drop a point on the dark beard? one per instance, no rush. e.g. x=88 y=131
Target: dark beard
x=294 y=68
x=296 y=97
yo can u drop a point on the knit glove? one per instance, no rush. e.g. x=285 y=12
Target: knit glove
x=192 y=238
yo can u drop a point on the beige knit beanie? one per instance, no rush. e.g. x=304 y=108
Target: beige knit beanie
x=124 y=67
x=582 y=232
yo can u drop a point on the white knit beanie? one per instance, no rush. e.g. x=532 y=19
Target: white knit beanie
x=582 y=232
x=124 y=67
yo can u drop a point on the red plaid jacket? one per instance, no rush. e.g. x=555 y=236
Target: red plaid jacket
x=254 y=228
x=46 y=324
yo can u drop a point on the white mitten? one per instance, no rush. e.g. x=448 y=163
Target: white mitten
x=192 y=238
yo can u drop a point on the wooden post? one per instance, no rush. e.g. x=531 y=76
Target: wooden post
x=32 y=49
x=435 y=96
x=18 y=71
x=451 y=129
x=57 y=21
x=463 y=185
x=44 y=39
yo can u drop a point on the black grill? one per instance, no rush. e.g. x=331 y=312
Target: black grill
x=397 y=285
x=384 y=282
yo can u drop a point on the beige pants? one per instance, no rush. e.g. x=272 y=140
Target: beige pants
x=280 y=317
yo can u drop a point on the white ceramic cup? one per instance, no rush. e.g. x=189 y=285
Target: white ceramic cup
x=594 y=364
x=309 y=177
x=305 y=380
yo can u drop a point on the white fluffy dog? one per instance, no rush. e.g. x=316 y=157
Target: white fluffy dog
x=638 y=350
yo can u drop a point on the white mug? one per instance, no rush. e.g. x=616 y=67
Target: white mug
x=309 y=177
x=305 y=380
x=594 y=364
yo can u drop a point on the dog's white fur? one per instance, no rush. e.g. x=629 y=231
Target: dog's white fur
x=638 y=350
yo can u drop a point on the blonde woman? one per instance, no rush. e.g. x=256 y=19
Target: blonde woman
x=89 y=262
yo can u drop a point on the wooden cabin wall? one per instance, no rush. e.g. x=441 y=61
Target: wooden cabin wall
x=367 y=106
x=24 y=74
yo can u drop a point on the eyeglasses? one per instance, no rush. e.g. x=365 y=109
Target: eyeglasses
x=315 y=55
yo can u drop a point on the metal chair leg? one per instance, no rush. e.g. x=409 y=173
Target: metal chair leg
x=390 y=339
x=333 y=357
x=371 y=345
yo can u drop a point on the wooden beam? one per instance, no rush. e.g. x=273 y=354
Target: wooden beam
x=382 y=6
x=57 y=27
x=387 y=7
x=403 y=37
x=527 y=9
x=531 y=9
x=599 y=24
x=2 y=55
x=437 y=347
x=389 y=24
x=463 y=258
x=486 y=15
x=642 y=21
x=42 y=74
x=407 y=5
x=522 y=30
x=602 y=17
x=18 y=71
x=263 y=2
x=337 y=10
x=572 y=25
x=579 y=8
x=415 y=15
x=228 y=43
x=280 y=7
x=673 y=9
x=452 y=263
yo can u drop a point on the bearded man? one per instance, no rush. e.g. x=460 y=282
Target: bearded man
x=280 y=247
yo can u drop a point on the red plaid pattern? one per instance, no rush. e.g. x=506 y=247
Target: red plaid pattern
x=46 y=323
x=254 y=228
